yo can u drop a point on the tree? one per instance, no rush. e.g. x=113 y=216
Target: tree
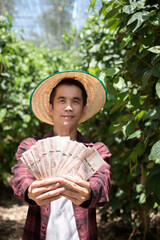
x=56 y=19
x=121 y=46
x=22 y=66
x=7 y=6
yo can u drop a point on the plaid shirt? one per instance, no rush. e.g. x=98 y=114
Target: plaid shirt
x=85 y=214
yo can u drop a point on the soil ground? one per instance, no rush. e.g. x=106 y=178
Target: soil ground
x=13 y=214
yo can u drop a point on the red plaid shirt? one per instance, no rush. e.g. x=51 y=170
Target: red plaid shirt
x=85 y=214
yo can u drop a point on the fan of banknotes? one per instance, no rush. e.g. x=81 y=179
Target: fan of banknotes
x=57 y=156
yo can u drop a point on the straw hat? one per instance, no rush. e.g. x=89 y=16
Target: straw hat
x=96 y=94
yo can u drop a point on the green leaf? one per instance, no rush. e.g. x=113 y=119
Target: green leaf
x=5 y=74
x=107 y=2
x=155 y=152
x=112 y=22
x=152 y=113
x=155 y=59
x=140 y=17
x=9 y=17
x=116 y=108
x=135 y=101
x=3 y=112
x=155 y=20
x=125 y=41
x=155 y=71
x=152 y=182
x=136 y=134
x=113 y=127
x=128 y=128
x=139 y=188
x=133 y=157
x=155 y=205
x=92 y=4
x=67 y=37
x=142 y=198
x=103 y=10
x=93 y=70
x=111 y=90
x=95 y=48
x=157 y=161
x=130 y=8
x=148 y=38
x=145 y=78
x=119 y=83
x=111 y=13
x=27 y=118
x=140 y=114
x=155 y=49
x=141 y=4
x=114 y=25
x=111 y=71
x=140 y=148
x=158 y=88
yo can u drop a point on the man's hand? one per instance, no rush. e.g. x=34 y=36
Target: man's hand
x=78 y=191
x=45 y=191
x=51 y=189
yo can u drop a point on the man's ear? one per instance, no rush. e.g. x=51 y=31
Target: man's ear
x=84 y=110
x=50 y=109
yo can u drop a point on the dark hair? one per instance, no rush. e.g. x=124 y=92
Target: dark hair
x=69 y=82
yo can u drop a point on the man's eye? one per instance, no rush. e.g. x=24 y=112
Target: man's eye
x=76 y=101
x=61 y=100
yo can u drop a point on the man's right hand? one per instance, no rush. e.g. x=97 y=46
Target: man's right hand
x=45 y=191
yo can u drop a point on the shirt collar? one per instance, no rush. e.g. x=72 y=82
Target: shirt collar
x=80 y=138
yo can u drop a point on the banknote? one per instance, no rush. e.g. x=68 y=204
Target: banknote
x=58 y=156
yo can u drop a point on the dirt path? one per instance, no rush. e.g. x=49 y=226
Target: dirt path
x=12 y=221
x=13 y=214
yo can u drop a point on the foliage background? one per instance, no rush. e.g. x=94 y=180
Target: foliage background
x=120 y=45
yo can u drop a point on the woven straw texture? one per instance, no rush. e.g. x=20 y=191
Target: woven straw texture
x=96 y=94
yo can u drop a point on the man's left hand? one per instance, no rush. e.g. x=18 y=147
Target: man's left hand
x=77 y=190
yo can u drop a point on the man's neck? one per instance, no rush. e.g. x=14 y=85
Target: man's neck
x=65 y=132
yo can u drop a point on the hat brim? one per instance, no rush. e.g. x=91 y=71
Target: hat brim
x=96 y=94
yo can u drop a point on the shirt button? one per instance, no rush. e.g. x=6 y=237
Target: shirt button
x=43 y=227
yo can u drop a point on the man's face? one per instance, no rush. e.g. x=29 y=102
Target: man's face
x=67 y=106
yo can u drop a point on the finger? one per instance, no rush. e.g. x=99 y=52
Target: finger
x=45 y=182
x=75 y=185
x=79 y=196
x=43 y=189
x=41 y=192
x=83 y=194
x=48 y=200
x=80 y=182
x=74 y=200
x=50 y=194
x=77 y=199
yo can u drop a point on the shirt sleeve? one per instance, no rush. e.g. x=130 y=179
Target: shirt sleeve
x=100 y=180
x=22 y=178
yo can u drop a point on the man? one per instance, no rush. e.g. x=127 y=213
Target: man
x=63 y=208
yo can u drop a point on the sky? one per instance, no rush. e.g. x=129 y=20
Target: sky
x=80 y=11
x=27 y=12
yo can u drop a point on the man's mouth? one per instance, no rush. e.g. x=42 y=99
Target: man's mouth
x=67 y=116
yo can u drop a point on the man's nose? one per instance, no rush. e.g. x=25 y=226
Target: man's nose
x=69 y=107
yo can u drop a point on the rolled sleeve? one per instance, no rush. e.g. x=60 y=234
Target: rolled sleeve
x=22 y=178
x=100 y=180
